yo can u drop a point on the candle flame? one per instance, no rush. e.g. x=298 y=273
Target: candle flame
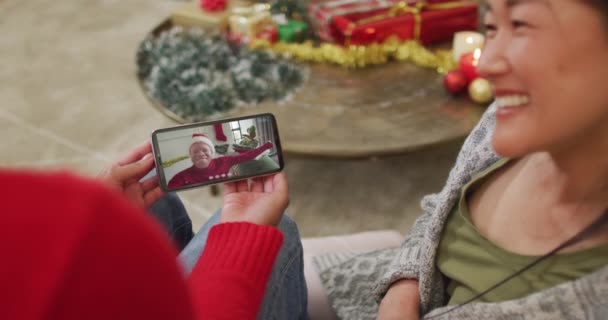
x=477 y=54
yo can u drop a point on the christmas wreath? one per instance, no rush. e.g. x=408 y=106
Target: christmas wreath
x=197 y=74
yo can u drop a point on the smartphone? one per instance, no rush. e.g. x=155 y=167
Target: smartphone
x=206 y=153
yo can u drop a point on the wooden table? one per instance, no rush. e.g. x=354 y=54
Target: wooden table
x=385 y=110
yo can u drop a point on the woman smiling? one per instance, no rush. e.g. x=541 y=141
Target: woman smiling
x=519 y=229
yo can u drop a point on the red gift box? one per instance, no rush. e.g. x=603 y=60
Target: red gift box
x=427 y=22
x=321 y=14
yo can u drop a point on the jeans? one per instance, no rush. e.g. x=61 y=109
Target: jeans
x=171 y=214
x=285 y=297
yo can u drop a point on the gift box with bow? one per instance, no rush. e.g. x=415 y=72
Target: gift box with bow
x=321 y=14
x=249 y=21
x=426 y=21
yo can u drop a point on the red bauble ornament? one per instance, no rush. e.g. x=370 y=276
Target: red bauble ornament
x=455 y=82
x=213 y=5
x=468 y=65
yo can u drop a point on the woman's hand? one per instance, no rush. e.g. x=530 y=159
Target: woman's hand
x=262 y=202
x=402 y=301
x=125 y=175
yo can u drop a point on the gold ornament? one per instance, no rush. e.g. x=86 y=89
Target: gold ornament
x=480 y=91
x=355 y=57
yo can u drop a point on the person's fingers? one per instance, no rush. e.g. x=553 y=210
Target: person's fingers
x=152 y=196
x=242 y=186
x=137 y=153
x=280 y=186
x=230 y=187
x=268 y=184
x=149 y=184
x=257 y=184
x=133 y=171
x=279 y=182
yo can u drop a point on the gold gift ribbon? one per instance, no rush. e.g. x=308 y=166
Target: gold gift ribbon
x=405 y=8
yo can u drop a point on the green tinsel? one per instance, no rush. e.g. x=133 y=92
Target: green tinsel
x=196 y=74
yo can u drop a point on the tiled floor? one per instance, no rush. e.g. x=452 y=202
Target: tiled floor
x=69 y=99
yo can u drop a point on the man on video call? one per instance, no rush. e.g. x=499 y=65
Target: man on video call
x=205 y=167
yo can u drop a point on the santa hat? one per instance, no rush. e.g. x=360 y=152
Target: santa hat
x=199 y=137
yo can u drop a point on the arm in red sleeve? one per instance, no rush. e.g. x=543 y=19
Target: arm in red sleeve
x=249 y=155
x=229 y=280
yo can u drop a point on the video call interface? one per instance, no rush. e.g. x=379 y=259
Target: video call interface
x=217 y=152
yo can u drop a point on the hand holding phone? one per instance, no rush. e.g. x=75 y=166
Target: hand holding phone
x=262 y=202
x=127 y=176
x=217 y=151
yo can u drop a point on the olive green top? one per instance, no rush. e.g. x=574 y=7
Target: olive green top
x=472 y=263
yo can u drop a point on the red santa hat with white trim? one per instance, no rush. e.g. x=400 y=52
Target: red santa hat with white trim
x=199 y=137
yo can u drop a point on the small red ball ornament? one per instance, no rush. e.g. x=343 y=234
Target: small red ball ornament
x=455 y=82
x=468 y=65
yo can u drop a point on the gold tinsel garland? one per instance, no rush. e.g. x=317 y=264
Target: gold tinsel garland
x=168 y=163
x=354 y=57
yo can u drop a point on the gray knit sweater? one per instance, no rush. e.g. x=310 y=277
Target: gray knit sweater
x=355 y=281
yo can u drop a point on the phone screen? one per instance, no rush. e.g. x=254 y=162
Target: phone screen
x=212 y=152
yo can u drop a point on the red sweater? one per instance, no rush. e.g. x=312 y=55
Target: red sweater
x=218 y=168
x=73 y=250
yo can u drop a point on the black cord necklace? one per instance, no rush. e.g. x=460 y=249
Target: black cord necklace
x=592 y=228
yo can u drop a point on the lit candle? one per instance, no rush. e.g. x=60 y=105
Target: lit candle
x=468 y=64
x=465 y=42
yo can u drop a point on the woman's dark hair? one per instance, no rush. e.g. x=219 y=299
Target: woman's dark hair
x=602 y=6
